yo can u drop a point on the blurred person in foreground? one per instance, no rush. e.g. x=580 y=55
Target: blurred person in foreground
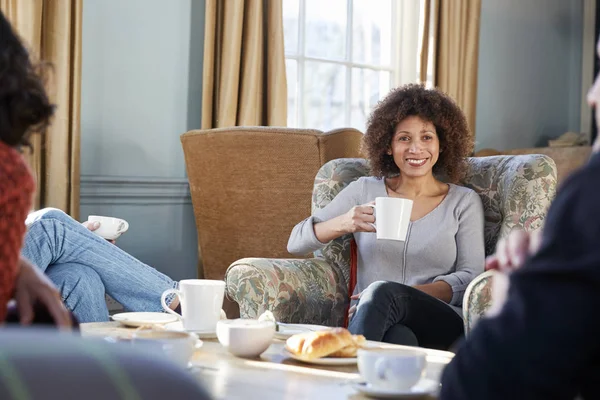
x=544 y=341
x=24 y=109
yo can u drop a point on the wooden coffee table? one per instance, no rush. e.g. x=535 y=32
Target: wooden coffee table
x=272 y=376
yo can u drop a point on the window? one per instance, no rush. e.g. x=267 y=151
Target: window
x=343 y=56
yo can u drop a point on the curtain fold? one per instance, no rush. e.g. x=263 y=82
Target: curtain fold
x=449 y=50
x=52 y=31
x=244 y=81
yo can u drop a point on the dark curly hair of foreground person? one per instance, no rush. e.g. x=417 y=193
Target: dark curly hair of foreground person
x=24 y=104
x=456 y=142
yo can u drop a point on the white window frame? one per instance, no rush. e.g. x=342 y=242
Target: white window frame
x=405 y=31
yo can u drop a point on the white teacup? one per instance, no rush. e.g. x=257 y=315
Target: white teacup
x=392 y=217
x=175 y=346
x=245 y=337
x=110 y=228
x=201 y=301
x=392 y=369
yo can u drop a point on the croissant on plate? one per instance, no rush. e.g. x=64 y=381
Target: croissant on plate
x=336 y=342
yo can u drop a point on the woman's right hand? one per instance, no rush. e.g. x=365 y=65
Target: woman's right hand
x=359 y=219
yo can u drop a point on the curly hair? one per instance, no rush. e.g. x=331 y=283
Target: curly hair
x=456 y=143
x=24 y=104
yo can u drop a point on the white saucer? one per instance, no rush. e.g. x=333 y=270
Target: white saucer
x=137 y=319
x=422 y=388
x=331 y=361
x=287 y=330
x=178 y=326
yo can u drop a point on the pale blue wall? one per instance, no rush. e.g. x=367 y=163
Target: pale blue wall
x=141 y=89
x=529 y=85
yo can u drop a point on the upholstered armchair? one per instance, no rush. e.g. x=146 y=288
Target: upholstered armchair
x=516 y=192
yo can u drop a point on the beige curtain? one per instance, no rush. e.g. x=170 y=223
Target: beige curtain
x=244 y=81
x=449 y=49
x=52 y=31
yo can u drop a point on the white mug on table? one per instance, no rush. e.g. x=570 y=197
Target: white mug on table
x=392 y=217
x=201 y=301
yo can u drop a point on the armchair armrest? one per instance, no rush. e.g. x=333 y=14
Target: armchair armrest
x=477 y=300
x=296 y=290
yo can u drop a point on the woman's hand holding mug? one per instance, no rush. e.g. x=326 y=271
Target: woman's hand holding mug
x=359 y=219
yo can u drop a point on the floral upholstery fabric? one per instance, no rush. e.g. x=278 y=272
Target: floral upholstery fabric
x=516 y=192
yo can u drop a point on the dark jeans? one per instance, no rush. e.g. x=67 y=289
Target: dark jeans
x=395 y=313
x=41 y=316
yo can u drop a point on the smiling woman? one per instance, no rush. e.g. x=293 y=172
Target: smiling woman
x=410 y=291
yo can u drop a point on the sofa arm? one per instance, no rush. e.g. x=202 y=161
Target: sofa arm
x=296 y=290
x=477 y=300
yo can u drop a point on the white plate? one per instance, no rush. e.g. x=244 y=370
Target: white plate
x=137 y=319
x=423 y=388
x=331 y=361
x=287 y=330
x=178 y=326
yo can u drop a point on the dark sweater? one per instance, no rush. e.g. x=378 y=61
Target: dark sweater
x=545 y=342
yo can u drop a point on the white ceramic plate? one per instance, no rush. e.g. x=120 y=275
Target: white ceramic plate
x=423 y=388
x=331 y=361
x=137 y=319
x=287 y=330
x=178 y=326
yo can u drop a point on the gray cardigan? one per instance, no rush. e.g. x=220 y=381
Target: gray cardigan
x=445 y=245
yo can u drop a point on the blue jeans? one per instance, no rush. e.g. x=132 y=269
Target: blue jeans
x=395 y=313
x=84 y=267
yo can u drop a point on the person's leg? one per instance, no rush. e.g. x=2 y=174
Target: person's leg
x=55 y=238
x=82 y=291
x=385 y=304
x=400 y=334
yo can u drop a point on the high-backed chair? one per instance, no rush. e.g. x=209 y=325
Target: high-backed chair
x=251 y=185
x=516 y=192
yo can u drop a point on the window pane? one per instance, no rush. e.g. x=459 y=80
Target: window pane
x=325 y=31
x=291 y=15
x=372 y=32
x=291 y=71
x=324 y=95
x=368 y=87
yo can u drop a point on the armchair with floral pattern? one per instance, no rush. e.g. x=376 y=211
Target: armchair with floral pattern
x=516 y=192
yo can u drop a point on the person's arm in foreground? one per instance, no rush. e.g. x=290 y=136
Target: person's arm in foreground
x=540 y=343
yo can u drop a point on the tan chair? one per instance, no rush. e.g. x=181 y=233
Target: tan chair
x=251 y=185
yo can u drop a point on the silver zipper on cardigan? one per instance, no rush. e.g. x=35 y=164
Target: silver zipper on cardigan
x=404 y=254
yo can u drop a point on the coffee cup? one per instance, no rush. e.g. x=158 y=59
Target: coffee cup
x=245 y=337
x=392 y=217
x=201 y=301
x=110 y=228
x=175 y=346
x=392 y=369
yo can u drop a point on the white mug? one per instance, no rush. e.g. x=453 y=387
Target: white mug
x=201 y=301
x=392 y=217
x=392 y=369
x=110 y=228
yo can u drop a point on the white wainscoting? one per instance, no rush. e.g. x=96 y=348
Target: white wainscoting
x=133 y=190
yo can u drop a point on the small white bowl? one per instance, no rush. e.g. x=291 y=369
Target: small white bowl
x=245 y=337
x=176 y=346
